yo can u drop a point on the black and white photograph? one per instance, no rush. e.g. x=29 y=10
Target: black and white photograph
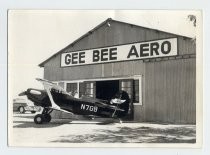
x=105 y=78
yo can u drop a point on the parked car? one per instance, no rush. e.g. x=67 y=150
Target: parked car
x=21 y=106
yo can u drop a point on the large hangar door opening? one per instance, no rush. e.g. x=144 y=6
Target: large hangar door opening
x=106 y=89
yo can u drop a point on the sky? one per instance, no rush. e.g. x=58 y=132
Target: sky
x=35 y=35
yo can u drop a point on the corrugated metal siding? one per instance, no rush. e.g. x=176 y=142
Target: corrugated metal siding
x=55 y=73
x=170 y=91
x=186 y=46
x=52 y=70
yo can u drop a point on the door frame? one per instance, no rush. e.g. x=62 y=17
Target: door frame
x=134 y=77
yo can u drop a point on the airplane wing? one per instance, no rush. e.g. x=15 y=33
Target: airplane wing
x=48 y=85
x=51 y=85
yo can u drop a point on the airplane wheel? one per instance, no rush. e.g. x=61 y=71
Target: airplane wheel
x=21 y=110
x=47 y=118
x=39 y=119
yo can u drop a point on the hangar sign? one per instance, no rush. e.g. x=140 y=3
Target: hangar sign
x=132 y=51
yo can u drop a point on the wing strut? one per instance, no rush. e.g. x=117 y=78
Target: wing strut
x=54 y=105
x=48 y=85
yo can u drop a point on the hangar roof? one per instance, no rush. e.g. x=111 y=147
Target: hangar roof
x=97 y=27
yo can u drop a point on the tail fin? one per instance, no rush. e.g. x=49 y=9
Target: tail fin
x=125 y=105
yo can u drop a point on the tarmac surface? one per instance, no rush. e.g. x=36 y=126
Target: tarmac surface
x=24 y=131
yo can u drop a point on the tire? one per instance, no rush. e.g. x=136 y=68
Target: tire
x=39 y=119
x=21 y=110
x=33 y=112
x=47 y=118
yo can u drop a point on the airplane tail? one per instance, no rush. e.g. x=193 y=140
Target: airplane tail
x=123 y=95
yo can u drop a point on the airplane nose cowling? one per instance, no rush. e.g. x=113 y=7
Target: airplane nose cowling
x=22 y=94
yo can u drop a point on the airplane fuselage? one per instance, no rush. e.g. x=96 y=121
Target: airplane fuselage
x=83 y=106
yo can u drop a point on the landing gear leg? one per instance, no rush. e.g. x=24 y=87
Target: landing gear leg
x=45 y=117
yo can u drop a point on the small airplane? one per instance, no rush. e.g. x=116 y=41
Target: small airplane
x=54 y=97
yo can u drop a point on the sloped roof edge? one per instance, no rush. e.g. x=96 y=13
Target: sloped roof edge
x=95 y=28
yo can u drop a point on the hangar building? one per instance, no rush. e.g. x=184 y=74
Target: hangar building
x=156 y=68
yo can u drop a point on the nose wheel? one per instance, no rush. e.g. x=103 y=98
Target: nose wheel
x=45 y=117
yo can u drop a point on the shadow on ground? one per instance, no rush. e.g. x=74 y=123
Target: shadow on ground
x=54 y=123
x=23 y=124
x=134 y=135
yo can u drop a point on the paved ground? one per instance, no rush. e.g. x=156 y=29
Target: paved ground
x=67 y=131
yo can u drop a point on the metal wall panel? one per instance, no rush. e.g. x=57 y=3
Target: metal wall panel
x=170 y=91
